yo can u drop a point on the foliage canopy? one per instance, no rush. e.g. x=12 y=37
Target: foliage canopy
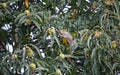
x=32 y=27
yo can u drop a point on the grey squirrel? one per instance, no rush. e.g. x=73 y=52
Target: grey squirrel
x=72 y=42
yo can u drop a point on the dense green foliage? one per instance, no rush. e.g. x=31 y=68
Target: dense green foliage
x=95 y=24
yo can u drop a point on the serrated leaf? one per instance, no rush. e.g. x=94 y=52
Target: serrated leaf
x=27 y=72
x=83 y=35
x=24 y=55
x=22 y=19
x=83 y=31
x=36 y=23
x=4 y=59
x=19 y=16
x=108 y=65
x=99 y=57
x=57 y=40
x=115 y=65
x=37 y=49
x=66 y=66
x=93 y=54
x=70 y=56
x=89 y=39
x=38 y=17
x=45 y=35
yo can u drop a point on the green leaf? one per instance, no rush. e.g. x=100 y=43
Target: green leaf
x=37 y=24
x=38 y=17
x=108 y=65
x=94 y=54
x=24 y=55
x=89 y=40
x=19 y=17
x=37 y=49
x=4 y=59
x=57 y=40
x=22 y=20
x=115 y=65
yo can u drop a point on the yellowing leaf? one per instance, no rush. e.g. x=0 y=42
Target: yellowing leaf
x=113 y=44
x=97 y=34
x=109 y=2
x=64 y=41
x=67 y=48
x=86 y=37
x=74 y=34
x=26 y=3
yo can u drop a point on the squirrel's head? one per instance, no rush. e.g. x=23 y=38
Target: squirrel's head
x=62 y=31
